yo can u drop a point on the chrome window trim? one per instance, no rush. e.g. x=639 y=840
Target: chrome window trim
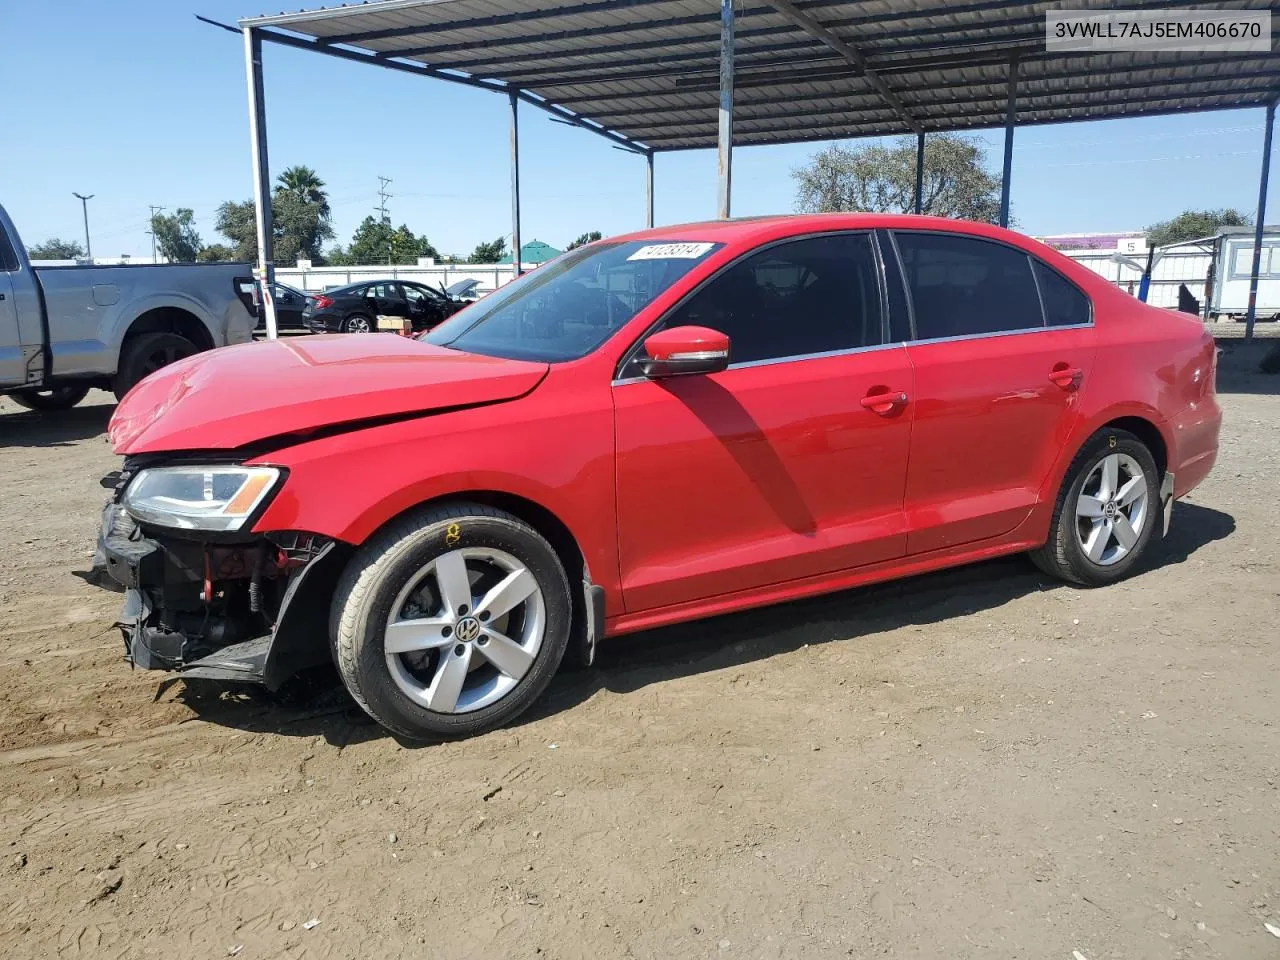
x=999 y=333
x=797 y=358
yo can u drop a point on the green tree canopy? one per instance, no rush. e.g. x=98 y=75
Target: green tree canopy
x=216 y=253
x=1194 y=224
x=303 y=183
x=299 y=227
x=55 y=249
x=375 y=241
x=236 y=222
x=176 y=236
x=490 y=252
x=882 y=179
x=584 y=239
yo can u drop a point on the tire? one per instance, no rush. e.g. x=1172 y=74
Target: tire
x=145 y=354
x=1079 y=526
x=357 y=319
x=55 y=398
x=400 y=569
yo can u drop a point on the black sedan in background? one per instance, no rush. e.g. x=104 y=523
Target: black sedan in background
x=290 y=302
x=356 y=308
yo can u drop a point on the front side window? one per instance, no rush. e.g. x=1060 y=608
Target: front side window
x=1064 y=304
x=793 y=299
x=566 y=308
x=965 y=286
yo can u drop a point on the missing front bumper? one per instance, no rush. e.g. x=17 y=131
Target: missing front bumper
x=255 y=612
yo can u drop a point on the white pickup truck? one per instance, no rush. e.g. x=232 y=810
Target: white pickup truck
x=64 y=329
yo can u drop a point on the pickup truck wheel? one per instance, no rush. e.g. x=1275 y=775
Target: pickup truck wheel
x=145 y=355
x=451 y=621
x=55 y=398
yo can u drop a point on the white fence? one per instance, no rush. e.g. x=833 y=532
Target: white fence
x=319 y=279
x=1189 y=266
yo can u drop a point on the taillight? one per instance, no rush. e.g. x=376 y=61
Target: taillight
x=322 y=302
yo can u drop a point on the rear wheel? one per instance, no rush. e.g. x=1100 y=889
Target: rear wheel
x=1106 y=513
x=358 y=323
x=451 y=622
x=55 y=398
x=145 y=354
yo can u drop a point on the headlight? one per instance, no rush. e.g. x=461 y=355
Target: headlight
x=199 y=498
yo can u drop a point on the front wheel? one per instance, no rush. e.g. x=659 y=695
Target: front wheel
x=55 y=398
x=450 y=622
x=1106 y=513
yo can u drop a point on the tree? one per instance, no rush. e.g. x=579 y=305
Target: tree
x=375 y=241
x=176 y=236
x=584 y=239
x=299 y=227
x=489 y=252
x=303 y=183
x=882 y=179
x=236 y=222
x=1194 y=224
x=216 y=253
x=55 y=249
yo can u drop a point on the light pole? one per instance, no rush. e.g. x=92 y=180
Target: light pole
x=84 y=203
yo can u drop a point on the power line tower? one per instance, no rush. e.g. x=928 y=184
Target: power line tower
x=152 y=224
x=383 y=196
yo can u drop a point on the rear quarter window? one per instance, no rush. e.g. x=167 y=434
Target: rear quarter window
x=1065 y=304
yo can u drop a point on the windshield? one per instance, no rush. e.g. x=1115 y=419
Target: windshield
x=568 y=307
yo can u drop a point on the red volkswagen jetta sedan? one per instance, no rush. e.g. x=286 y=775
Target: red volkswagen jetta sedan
x=652 y=428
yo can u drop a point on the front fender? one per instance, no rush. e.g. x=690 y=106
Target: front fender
x=350 y=485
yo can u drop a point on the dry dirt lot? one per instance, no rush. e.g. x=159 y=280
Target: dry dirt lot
x=980 y=763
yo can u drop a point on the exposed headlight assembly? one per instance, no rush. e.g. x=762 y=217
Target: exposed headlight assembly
x=199 y=497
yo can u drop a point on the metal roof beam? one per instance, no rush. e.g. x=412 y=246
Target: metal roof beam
x=536 y=77
x=975 y=109
x=557 y=110
x=813 y=28
x=496 y=20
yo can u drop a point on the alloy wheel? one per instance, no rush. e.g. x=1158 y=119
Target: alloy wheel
x=358 y=325
x=465 y=630
x=1112 y=509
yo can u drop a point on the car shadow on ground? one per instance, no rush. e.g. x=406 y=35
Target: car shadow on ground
x=54 y=428
x=316 y=705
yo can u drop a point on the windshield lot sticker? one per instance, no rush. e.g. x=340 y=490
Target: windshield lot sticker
x=671 y=251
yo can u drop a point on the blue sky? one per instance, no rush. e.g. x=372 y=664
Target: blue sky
x=138 y=103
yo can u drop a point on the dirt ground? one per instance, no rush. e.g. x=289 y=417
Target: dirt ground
x=979 y=763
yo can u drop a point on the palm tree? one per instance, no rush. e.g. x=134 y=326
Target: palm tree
x=306 y=186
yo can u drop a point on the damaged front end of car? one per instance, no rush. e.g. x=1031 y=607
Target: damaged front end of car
x=204 y=596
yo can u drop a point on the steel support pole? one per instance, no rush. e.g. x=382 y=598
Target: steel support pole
x=648 y=189
x=919 y=205
x=1008 y=141
x=1262 y=219
x=515 y=183
x=261 y=178
x=725 y=138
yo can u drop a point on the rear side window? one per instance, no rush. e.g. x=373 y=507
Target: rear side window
x=964 y=286
x=1064 y=304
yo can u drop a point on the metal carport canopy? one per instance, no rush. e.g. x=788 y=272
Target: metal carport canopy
x=661 y=75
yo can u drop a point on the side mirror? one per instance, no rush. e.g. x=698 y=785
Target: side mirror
x=684 y=350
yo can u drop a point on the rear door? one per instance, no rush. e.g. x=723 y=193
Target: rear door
x=779 y=467
x=13 y=360
x=997 y=388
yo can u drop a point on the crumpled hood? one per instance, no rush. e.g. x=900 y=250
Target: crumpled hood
x=233 y=396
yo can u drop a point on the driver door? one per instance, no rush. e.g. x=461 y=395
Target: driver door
x=773 y=469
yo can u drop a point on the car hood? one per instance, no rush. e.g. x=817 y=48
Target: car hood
x=234 y=396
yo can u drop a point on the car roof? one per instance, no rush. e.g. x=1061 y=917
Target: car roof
x=747 y=230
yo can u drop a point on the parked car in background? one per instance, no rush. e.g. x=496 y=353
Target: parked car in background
x=356 y=308
x=290 y=303
x=466 y=291
x=65 y=329
x=650 y=429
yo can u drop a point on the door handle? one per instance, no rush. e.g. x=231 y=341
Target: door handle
x=1068 y=378
x=884 y=403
